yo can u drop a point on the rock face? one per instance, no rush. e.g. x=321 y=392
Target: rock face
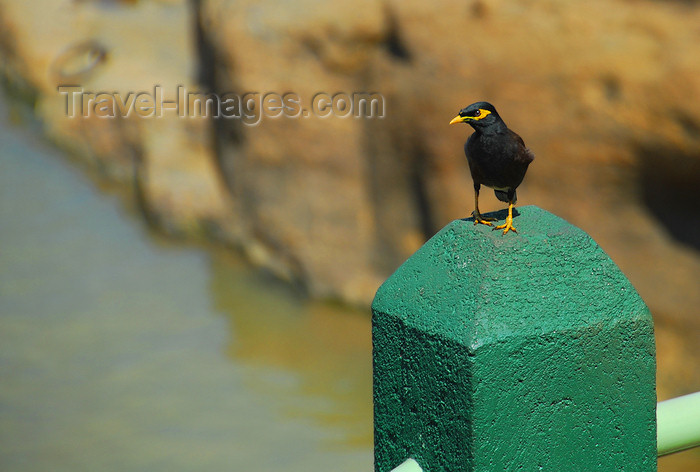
x=305 y=187
x=349 y=199
x=601 y=92
x=100 y=48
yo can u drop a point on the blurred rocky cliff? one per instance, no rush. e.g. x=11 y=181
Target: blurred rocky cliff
x=604 y=93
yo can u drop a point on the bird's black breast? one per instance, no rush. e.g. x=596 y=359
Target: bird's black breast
x=497 y=160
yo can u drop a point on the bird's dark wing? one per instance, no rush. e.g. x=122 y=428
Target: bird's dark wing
x=497 y=160
x=522 y=154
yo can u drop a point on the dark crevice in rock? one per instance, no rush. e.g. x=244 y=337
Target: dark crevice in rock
x=397 y=179
x=389 y=187
x=479 y=9
x=418 y=175
x=313 y=45
x=138 y=185
x=393 y=41
x=227 y=134
x=205 y=49
x=690 y=126
x=669 y=180
x=612 y=88
x=16 y=87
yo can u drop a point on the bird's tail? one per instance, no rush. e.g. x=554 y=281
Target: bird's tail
x=506 y=196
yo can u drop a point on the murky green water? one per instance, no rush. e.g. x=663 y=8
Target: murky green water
x=120 y=352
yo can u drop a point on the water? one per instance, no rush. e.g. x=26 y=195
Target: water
x=122 y=352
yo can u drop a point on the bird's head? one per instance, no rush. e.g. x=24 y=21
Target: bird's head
x=479 y=115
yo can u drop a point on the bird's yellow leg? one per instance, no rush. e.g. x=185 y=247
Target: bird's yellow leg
x=508 y=225
x=477 y=215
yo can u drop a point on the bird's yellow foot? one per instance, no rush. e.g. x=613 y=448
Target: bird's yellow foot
x=478 y=219
x=507 y=226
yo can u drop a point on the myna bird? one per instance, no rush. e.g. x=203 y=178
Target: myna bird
x=497 y=158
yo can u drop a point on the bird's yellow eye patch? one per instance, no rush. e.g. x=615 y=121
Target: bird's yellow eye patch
x=480 y=114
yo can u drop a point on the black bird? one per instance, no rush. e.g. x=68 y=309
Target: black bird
x=497 y=158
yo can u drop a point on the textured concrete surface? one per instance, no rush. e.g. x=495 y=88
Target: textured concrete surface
x=528 y=351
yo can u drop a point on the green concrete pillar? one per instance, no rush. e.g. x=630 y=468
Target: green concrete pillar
x=527 y=351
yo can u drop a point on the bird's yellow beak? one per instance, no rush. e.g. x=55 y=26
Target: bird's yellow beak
x=480 y=115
